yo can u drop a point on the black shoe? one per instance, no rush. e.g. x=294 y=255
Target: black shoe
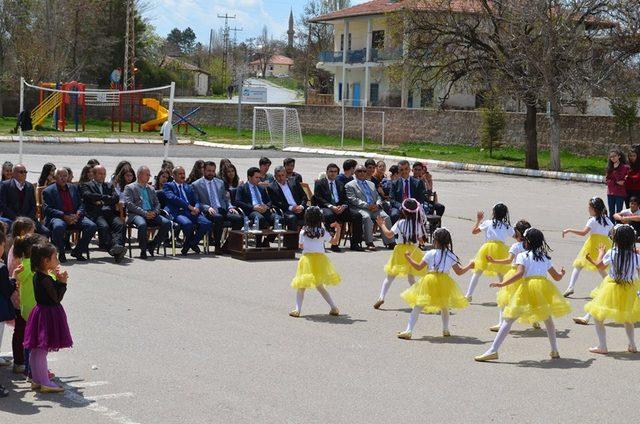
x=391 y=246
x=62 y=258
x=357 y=248
x=118 y=258
x=117 y=250
x=184 y=250
x=78 y=256
x=3 y=392
x=143 y=255
x=336 y=248
x=151 y=248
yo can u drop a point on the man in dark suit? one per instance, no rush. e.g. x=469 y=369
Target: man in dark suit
x=330 y=196
x=184 y=207
x=288 y=196
x=255 y=203
x=215 y=204
x=18 y=198
x=431 y=199
x=290 y=166
x=100 y=200
x=63 y=209
x=405 y=187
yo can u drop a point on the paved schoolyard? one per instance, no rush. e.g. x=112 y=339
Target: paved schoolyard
x=208 y=339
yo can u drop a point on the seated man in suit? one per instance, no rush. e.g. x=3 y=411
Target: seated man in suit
x=17 y=197
x=144 y=210
x=63 y=209
x=255 y=203
x=214 y=202
x=365 y=200
x=289 y=197
x=405 y=187
x=100 y=200
x=330 y=196
x=184 y=207
x=420 y=172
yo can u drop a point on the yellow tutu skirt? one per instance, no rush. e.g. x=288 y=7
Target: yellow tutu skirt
x=615 y=302
x=398 y=266
x=315 y=269
x=434 y=292
x=591 y=246
x=505 y=293
x=497 y=250
x=535 y=299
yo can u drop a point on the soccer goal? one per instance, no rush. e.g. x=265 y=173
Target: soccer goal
x=276 y=126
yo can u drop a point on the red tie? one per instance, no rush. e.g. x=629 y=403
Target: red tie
x=405 y=192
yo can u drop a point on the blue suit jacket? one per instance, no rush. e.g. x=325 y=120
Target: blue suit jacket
x=52 y=203
x=243 y=198
x=176 y=205
x=416 y=189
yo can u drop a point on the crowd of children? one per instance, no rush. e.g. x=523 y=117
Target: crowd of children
x=526 y=294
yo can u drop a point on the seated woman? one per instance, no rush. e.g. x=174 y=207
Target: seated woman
x=161 y=179
x=230 y=178
x=125 y=177
x=196 y=172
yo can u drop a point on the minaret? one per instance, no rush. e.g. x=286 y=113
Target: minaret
x=291 y=32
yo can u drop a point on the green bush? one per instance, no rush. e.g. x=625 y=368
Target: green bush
x=494 y=121
x=625 y=114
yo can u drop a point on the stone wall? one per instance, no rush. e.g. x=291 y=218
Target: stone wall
x=580 y=134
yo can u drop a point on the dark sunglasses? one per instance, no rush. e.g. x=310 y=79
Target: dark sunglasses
x=21 y=172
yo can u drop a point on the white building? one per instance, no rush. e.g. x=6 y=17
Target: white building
x=278 y=66
x=199 y=86
x=360 y=69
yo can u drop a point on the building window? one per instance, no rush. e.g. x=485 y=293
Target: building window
x=374 y=94
x=339 y=92
x=377 y=40
x=342 y=42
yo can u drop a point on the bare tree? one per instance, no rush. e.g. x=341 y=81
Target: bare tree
x=265 y=48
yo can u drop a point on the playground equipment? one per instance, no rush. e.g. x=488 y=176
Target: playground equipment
x=161 y=114
x=71 y=97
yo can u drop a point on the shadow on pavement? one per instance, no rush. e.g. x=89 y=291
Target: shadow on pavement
x=453 y=340
x=624 y=356
x=532 y=332
x=341 y=319
x=561 y=363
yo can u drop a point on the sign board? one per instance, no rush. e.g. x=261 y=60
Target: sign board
x=254 y=94
x=101 y=97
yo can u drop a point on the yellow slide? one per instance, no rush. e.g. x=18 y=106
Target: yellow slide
x=161 y=114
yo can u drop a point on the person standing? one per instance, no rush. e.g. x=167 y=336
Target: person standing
x=632 y=182
x=63 y=209
x=100 y=201
x=215 y=204
x=617 y=170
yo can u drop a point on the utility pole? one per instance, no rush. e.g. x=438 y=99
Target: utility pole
x=235 y=41
x=210 y=41
x=129 y=76
x=225 y=54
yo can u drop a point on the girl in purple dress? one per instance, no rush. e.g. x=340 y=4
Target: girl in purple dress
x=47 y=328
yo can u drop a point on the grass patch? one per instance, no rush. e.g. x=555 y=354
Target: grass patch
x=288 y=82
x=506 y=156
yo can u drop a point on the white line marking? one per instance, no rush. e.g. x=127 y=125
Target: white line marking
x=109 y=396
x=85 y=384
x=91 y=405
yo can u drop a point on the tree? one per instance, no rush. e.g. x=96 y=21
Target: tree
x=265 y=49
x=537 y=51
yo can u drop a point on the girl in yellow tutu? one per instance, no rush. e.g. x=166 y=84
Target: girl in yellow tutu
x=616 y=299
x=598 y=227
x=534 y=298
x=436 y=292
x=408 y=231
x=505 y=293
x=314 y=268
x=496 y=232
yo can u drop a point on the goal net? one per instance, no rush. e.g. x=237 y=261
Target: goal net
x=277 y=127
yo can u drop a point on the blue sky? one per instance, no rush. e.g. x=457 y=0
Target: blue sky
x=201 y=15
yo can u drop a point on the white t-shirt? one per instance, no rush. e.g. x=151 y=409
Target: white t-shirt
x=629 y=212
x=597 y=228
x=533 y=268
x=516 y=249
x=398 y=229
x=629 y=273
x=500 y=233
x=436 y=262
x=313 y=245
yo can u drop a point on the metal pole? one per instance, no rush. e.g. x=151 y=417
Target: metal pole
x=382 y=129
x=284 y=128
x=345 y=47
x=20 y=138
x=253 y=141
x=172 y=93
x=363 y=125
x=240 y=84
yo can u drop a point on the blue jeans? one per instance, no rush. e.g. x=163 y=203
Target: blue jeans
x=142 y=224
x=59 y=227
x=194 y=227
x=616 y=204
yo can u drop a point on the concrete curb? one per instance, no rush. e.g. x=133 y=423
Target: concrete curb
x=565 y=176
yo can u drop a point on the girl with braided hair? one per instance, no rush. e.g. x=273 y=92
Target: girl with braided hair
x=598 y=227
x=314 y=268
x=409 y=231
x=437 y=291
x=497 y=231
x=534 y=298
x=616 y=299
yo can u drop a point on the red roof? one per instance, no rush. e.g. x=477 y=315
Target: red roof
x=379 y=7
x=276 y=60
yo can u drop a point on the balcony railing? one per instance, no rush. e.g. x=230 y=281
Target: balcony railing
x=331 y=57
x=360 y=56
x=357 y=56
x=378 y=55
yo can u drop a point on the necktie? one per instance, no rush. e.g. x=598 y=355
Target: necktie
x=333 y=196
x=213 y=195
x=100 y=188
x=184 y=196
x=367 y=191
x=405 y=191
x=256 y=193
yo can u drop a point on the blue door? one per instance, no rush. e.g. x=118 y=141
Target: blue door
x=356 y=94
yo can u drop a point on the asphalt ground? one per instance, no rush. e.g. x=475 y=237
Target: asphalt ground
x=209 y=340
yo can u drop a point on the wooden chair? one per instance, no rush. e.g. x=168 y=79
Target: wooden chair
x=151 y=230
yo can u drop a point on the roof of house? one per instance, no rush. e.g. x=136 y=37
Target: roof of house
x=180 y=64
x=380 y=7
x=276 y=60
